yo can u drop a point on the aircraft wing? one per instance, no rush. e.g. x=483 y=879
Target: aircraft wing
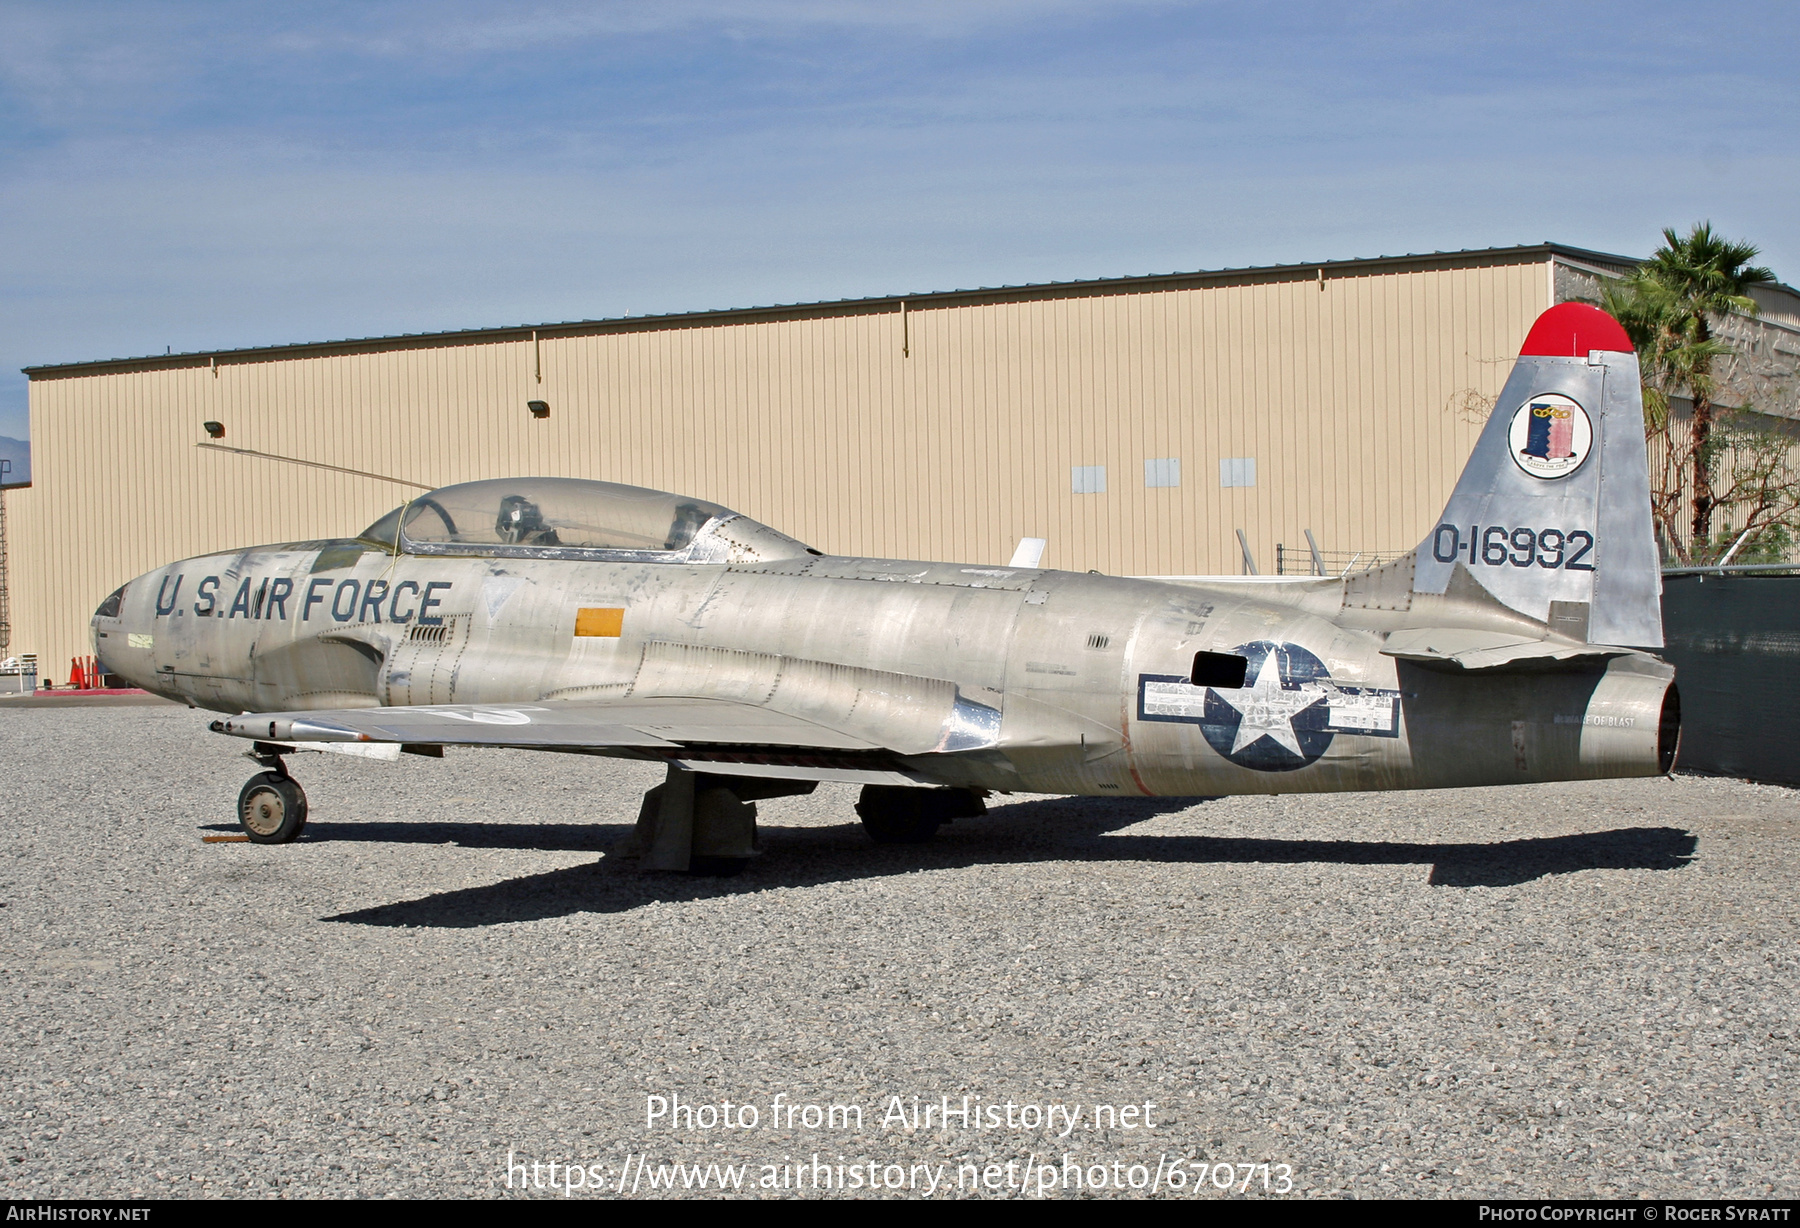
x=684 y=702
x=647 y=724
x=708 y=735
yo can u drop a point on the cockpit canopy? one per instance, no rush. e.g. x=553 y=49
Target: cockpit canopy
x=578 y=519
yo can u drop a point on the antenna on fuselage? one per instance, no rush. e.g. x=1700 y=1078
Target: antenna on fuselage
x=295 y=460
x=1030 y=552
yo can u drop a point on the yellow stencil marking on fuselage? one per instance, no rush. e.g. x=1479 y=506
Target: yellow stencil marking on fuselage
x=607 y=622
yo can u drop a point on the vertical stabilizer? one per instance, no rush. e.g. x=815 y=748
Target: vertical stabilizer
x=1552 y=513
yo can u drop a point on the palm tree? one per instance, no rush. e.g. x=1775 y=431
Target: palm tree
x=1671 y=362
x=1683 y=284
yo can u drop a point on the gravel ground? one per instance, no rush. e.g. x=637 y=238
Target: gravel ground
x=1567 y=990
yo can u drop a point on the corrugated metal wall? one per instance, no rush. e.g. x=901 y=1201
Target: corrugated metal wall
x=1671 y=479
x=820 y=426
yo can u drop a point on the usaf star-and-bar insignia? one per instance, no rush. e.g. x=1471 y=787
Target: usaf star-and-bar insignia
x=1284 y=718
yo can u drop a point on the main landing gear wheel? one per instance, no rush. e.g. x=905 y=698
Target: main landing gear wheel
x=897 y=814
x=272 y=808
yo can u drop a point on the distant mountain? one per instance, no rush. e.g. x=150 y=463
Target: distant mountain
x=18 y=451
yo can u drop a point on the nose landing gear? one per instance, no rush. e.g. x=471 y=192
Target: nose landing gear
x=271 y=806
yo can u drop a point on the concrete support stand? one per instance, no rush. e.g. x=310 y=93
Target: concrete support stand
x=669 y=809
x=693 y=815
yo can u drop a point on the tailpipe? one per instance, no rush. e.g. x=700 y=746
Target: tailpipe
x=1668 y=730
x=1632 y=725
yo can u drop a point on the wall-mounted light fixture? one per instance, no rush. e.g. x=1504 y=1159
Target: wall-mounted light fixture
x=539 y=409
x=215 y=429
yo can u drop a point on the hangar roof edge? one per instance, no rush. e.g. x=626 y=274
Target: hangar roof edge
x=1141 y=283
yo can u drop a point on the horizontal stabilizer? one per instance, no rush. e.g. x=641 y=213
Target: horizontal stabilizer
x=1468 y=649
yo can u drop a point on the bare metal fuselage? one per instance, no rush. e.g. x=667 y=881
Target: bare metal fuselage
x=1074 y=663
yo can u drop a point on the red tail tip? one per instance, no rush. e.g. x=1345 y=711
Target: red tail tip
x=1570 y=330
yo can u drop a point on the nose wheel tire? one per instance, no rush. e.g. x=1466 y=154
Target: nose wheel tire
x=272 y=809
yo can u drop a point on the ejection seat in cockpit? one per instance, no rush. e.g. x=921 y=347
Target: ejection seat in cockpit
x=521 y=523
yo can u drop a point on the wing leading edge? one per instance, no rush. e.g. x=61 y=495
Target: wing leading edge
x=600 y=724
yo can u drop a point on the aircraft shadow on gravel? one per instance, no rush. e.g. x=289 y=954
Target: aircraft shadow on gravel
x=1056 y=829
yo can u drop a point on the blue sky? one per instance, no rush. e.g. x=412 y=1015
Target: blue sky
x=194 y=175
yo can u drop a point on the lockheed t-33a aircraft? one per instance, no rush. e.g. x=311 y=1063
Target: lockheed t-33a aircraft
x=584 y=617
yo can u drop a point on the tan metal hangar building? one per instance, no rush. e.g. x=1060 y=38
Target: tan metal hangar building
x=1136 y=423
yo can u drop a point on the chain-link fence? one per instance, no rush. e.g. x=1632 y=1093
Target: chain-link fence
x=1304 y=561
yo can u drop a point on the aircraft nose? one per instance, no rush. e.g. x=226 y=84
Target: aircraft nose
x=122 y=639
